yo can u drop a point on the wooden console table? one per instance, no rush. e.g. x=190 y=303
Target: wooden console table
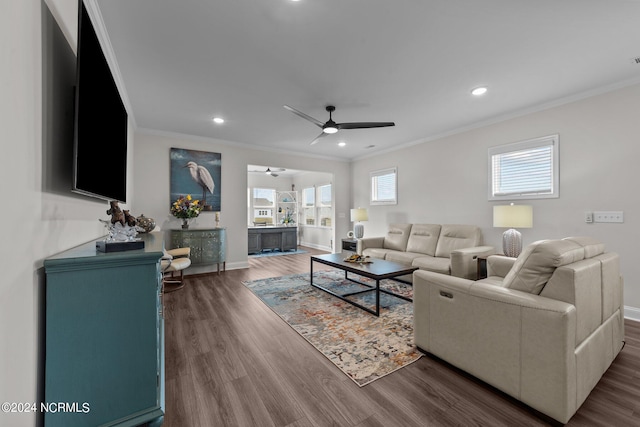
x=208 y=246
x=281 y=238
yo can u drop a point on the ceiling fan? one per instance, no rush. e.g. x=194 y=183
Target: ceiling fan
x=269 y=171
x=331 y=127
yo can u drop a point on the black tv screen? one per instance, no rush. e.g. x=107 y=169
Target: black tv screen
x=100 y=128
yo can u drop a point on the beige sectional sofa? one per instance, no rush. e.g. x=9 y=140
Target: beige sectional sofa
x=542 y=328
x=448 y=248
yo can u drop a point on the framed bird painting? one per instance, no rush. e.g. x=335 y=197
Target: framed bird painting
x=196 y=173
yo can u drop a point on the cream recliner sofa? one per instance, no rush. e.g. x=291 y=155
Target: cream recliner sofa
x=542 y=328
x=448 y=248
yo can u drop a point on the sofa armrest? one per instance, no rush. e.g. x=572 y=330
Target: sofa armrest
x=499 y=265
x=369 y=242
x=464 y=261
x=521 y=343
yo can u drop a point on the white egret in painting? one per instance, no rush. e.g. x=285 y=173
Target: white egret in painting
x=203 y=178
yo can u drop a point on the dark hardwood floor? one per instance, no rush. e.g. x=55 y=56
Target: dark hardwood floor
x=230 y=361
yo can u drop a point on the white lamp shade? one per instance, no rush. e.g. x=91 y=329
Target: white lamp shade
x=513 y=216
x=359 y=214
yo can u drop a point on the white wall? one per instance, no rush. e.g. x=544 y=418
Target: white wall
x=262 y=180
x=317 y=236
x=445 y=181
x=41 y=216
x=152 y=173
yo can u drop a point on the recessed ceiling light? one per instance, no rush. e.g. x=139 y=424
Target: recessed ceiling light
x=341 y=144
x=218 y=120
x=479 y=91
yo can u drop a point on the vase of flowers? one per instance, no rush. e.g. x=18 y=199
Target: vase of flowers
x=287 y=219
x=186 y=208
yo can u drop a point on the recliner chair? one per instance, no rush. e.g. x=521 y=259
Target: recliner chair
x=542 y=328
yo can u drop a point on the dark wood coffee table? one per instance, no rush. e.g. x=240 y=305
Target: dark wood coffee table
x=377 y=270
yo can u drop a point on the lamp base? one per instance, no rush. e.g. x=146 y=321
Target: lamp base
x=512 y=243
x=358 y=231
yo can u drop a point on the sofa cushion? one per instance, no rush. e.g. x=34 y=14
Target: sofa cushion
x=424 y=238
x=538 y=261
x=439 y=265
x=376 y=252
x=397 y=237
x=455 y=236
x=402 y=257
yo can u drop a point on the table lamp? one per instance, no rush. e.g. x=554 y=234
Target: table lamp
x=357 y=215
x=512 y=216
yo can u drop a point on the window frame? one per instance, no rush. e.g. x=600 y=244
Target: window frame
x=320 y=205
x=253 y=207
x=552 y=141
x=273 y=190
x=304 y=207
x=374 y=189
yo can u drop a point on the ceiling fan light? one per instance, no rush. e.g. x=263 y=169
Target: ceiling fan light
x=481 y=90
x=329 y=129
x=268 y=171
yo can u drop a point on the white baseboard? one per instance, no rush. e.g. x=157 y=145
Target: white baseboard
x=316 y=246
x=632 y=313
x=204 y=269
x=237 y=265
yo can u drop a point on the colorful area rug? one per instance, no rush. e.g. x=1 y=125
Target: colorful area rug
x=363 y=346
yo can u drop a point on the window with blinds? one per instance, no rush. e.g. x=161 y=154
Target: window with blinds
x=309 y=206
x=324 y=205
x=524 y=170
x=384 y=187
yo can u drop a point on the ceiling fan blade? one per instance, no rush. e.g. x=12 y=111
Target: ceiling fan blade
x=275 y=175
x=315 y=141
x=304 y=116
x=364 y=125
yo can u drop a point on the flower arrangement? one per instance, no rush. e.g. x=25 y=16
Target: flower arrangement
x=288 y=218
x=186 y=207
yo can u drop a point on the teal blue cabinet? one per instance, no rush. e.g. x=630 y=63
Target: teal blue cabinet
x=104 y=333
x=208 y=246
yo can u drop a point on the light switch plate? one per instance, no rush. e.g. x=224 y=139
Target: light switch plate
x=608 y=216
x=588 y=217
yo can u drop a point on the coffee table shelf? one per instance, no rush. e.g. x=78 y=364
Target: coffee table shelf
x=377 y=270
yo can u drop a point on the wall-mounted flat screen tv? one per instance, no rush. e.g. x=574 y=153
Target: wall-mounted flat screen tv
x=100 y=128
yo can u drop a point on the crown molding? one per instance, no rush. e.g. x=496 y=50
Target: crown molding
x=511 y=115
x=243 y=145
x=105 y=42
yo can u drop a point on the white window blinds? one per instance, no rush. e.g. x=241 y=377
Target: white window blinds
x=384 y=187
x=524 y=170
